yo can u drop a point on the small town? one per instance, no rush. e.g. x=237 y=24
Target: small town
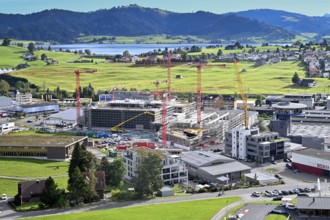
x=221 y=125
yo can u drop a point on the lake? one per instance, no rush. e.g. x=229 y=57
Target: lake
x=133 y=49
x=113 y=49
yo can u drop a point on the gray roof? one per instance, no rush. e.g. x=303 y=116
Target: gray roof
x=319 y=130
x=225 y=168
x=314 y=153
x=203 y=158
x=68 y=114
x=319 y=203
x=289 y=105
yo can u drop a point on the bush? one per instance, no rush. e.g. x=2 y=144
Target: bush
x=41 y=206
x=17 y=200
x=117 y=195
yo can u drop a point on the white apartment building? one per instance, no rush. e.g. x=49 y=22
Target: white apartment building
x=174 y=170
x=236 y=142
x=24 y=98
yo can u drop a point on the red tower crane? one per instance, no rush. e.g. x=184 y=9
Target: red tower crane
x=77 y=96
x=169 y=74
x=164 y=119
x=199 y=93
x=243 y=97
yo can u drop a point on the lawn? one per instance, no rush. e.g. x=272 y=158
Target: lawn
x=22 y=167
x=199 y=210
x=276 y=217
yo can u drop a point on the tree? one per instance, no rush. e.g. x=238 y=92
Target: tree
x=105 y=166
x=22 y=86
x=243 y=179
x=148 y=179
x=88 y=52
x=219 y=52
x=4 y=87
x=44 y=57
x=91 y=180
x=255 y=179
x=126 y=54
x=258 y=101
x=49 y=48
x=31 y=47
x=117 y=170
x=78 y=188
x=82 y=159
x=51 y=193
x=295 y=78
x=6 y=42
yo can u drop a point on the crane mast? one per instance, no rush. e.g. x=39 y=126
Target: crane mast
x=243 y=97
x=77 y=96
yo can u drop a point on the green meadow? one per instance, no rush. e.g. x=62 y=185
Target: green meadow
x=30 y=168
x=199 y=210
x=267 y=79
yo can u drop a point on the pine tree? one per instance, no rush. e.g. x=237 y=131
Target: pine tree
x=77 y=186
x=295 y=78
x=148 y=179
x=50 y=194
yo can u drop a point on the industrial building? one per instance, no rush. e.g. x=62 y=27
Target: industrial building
x=313 y=207
x=53 y=148
x=312 y=161
x=174 y=170
x=33 y=109
x=306 y=99
x=212 y=167
x=68 y=116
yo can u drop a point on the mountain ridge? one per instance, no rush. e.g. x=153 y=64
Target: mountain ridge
x=64 y=26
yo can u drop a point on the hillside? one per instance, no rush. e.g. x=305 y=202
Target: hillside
x=64 y=26
x=290 y=21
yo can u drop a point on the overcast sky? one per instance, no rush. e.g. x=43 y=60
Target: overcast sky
x=307 y=7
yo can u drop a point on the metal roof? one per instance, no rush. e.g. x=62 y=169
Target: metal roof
x=68 y=114
x=316 y=203
x=203 y=158
x=224 y=168
x=314 y=153
x=319 y=130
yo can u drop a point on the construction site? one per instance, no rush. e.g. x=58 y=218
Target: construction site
x=188 y=125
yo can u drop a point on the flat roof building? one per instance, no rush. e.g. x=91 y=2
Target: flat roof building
x=53 y=148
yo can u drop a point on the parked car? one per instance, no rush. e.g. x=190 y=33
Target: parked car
x=307 y=190
x=256 y=194
x=278 y=176
x=274 y=162
x=303 y=194
x=29 y=121
x=287 y=160
x=289 y=166
x=4 y=197
x=285 y=192
x=275 y=193
x=281 y=212
x=277 y=198
x=290 y=206
x=268 y=193
x=291 y=191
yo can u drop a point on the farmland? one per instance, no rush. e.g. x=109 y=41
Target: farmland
x=267 y=79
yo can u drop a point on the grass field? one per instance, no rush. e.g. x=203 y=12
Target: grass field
x=22 y=167
x=35 y=133
x=268 y=79
x=199 y=210
x=276 y=217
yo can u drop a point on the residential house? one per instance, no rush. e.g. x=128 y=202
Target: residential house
x=311 y=83
x=99 y=182
x=30 y=190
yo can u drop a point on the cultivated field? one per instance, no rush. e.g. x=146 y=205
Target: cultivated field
x=268 y=79
x=199 y=210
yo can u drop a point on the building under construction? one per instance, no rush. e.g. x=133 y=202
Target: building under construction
x=183 y=129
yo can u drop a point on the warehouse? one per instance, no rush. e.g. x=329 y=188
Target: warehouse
x=38 y=108
x=312 y=161
x=53 y=148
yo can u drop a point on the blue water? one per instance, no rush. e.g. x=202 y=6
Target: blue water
x=133 y=49
x=113 y=49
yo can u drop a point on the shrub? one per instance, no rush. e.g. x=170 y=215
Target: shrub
x=117 y=195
